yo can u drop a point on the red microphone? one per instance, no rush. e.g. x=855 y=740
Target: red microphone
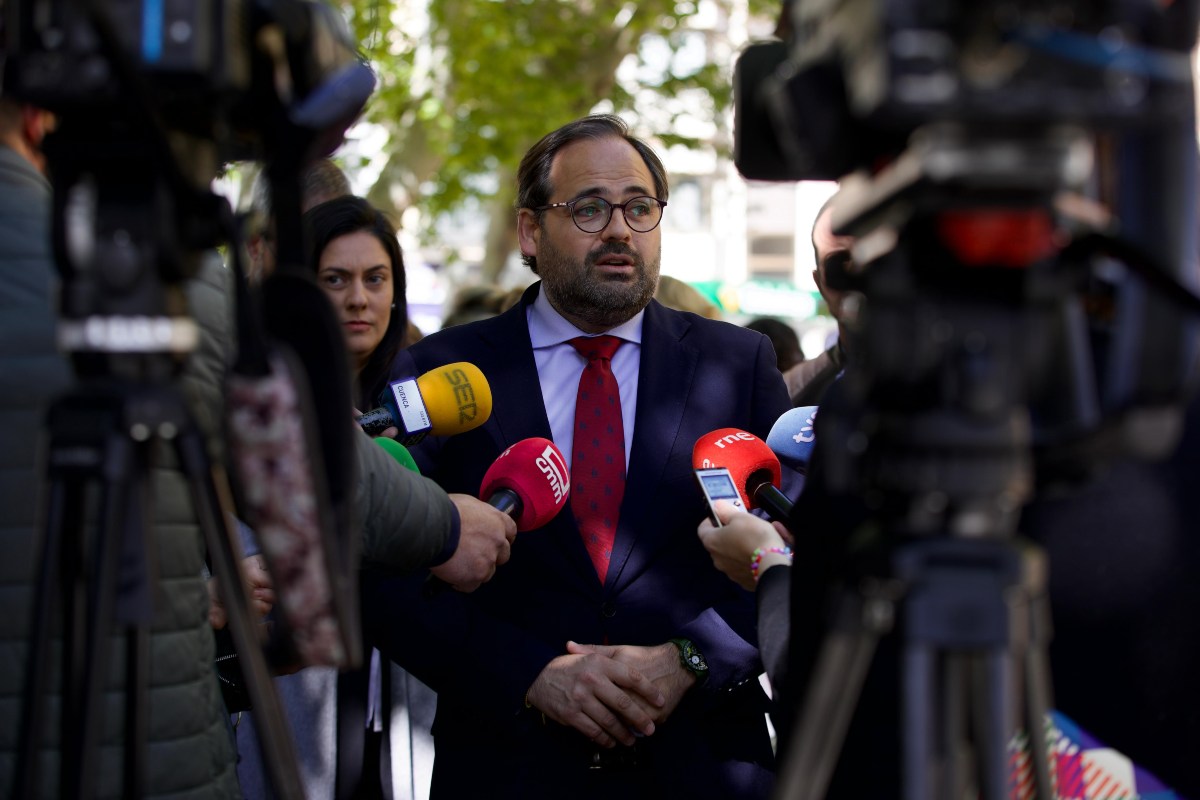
x=529 y=481
x=754 y=467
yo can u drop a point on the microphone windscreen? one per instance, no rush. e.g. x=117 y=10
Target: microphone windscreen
x=742 y=453
x=536 y=471
x=398 y=452
x=458 y=398
x=792 y=438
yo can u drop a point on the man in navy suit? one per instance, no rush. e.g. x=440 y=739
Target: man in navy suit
x=564 y=676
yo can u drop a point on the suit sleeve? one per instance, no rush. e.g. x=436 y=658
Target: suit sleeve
x=446 y=640
x=727 y=633
x=406 y=519
x=774 y=621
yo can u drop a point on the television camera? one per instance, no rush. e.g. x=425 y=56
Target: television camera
x=1020 y=182
x=151 y=99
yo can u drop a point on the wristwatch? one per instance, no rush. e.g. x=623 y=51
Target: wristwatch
x=692 y=659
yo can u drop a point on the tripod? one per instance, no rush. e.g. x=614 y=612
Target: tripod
x=976 y=622
x=934 y=475
x=102 y=438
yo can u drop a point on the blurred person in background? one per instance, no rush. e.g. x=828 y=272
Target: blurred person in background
x=322 y=180
x=783 y=338
x=681 y=296
x=475 y=302
x=808 y=380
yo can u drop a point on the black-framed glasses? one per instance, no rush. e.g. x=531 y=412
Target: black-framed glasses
x=592 y=214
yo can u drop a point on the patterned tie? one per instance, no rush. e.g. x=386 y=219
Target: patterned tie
x=598 y=452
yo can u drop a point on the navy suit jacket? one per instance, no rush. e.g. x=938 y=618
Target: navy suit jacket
x=482 y=651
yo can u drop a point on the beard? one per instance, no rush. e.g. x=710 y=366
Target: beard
x=579 y=292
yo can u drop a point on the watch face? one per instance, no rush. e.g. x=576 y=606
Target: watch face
x=692 y=658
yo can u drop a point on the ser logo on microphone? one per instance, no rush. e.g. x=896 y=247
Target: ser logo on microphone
x=551 y=463
x=464 y=395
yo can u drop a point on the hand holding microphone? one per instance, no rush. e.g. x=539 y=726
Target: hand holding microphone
x=485 y=536
x=451 y=399
x=744 y=546
x=485 y=542
x=529 y=483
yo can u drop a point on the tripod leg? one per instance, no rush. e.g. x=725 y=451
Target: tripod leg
x=63 y=516
x=210 y=496
x=994 y=689
x=1037 y=669
x=832 y=695
x=80 y=568
x=81 y=712
x=918 y=713
x=135 y=612
x=137 y=657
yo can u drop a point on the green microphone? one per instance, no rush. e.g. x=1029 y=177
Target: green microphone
x=398 y=452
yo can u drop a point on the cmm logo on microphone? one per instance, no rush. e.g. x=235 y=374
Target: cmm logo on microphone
x=552 y=465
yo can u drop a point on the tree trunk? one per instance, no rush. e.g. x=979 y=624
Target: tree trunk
x=501 y=238
x=410 y=164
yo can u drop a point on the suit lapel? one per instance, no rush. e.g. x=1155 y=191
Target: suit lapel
x=666 y=373
x=518 y=412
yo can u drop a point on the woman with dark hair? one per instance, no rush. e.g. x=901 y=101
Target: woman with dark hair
x=351 y=247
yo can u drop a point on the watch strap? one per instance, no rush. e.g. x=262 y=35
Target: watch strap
x=692 y=659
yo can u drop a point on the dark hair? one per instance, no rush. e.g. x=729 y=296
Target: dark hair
x=813 y=236
x=321 y=180
x=342 y=216
x=533 y=176
x=475 y=302
x=783 y=338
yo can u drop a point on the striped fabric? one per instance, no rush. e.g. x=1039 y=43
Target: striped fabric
x=1081 y=768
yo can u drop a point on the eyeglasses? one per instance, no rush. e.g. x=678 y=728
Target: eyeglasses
x=592 y=214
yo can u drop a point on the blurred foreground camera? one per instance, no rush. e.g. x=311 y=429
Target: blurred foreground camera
x=1030 y=157
x=852 y=79
x=1019 y=179
x=151 y=99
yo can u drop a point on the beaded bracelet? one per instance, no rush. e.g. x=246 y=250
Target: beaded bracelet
x=759 y=552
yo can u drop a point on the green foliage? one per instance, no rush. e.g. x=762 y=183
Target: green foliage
x=464 y=98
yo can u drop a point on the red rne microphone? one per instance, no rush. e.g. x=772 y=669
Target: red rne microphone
x=752 y=465
x=529 y=481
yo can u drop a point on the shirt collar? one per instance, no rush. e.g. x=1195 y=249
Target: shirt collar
x=548 y=328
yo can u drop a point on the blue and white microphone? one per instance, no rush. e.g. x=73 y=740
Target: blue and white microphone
x=792 y=437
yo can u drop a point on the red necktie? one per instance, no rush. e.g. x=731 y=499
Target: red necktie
x=598 y=452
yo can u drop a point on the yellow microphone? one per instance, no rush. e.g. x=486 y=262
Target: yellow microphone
x=451 y=399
